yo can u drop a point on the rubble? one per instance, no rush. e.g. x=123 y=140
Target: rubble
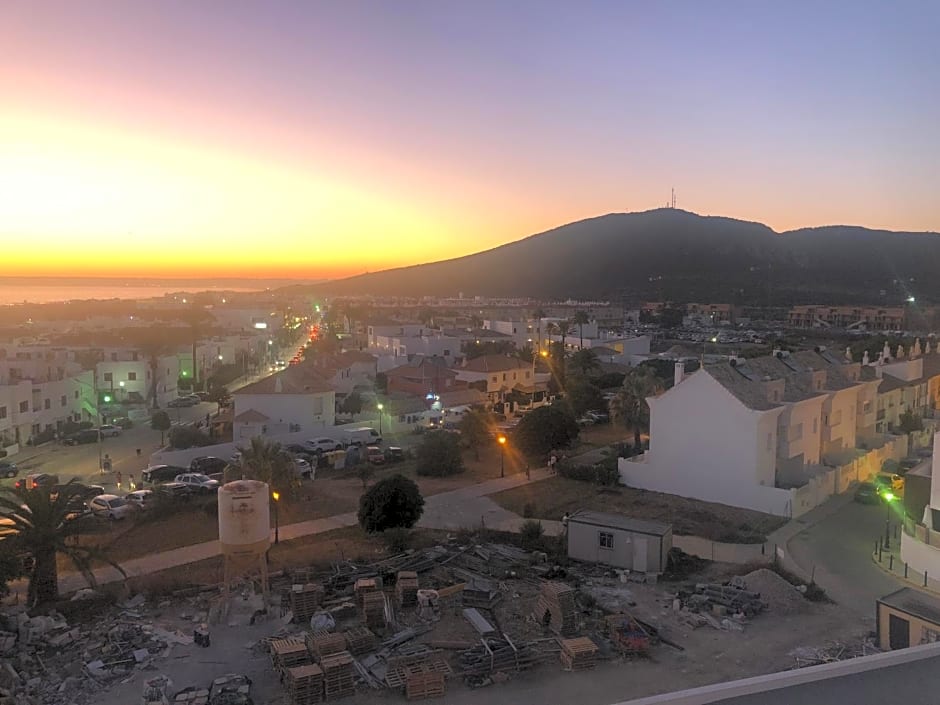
x=780 y=596
x=836 y=651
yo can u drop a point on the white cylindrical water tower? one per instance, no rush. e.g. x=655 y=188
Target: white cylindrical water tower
x=245 y=530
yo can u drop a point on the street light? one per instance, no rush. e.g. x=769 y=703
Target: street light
x=276 y=496
x=502 y=455
x=380 y=406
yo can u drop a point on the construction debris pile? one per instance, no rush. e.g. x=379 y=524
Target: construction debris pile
x=804 y=656
x=779 y=596
x=50 y=661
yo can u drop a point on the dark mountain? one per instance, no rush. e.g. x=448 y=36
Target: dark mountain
x=676 y=255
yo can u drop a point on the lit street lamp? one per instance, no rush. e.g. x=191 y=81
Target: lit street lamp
x=502 y=455
x=380 y=406
x=276 y=496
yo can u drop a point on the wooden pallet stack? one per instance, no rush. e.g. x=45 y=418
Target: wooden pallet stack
x=288 y=653
x=406 y=588
x=578 y=654
x=304 y=684
x=557 y=599
x=424 y=685
x=401 y=668
x=359 y=640
x=337 y=675
x=363 y=586
x=305 y=600
x=373 y=609
x=325 y=644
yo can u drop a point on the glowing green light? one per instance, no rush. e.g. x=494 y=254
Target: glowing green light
x=889 y=496
x=185 y=373
x=107 y=398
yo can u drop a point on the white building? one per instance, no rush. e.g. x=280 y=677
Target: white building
x=757 y=433
x=126 y=377
x=294 y=400
x=348 y=371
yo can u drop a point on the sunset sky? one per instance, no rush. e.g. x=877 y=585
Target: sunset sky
x=314 y=139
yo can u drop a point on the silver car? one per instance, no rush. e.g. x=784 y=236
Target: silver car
x=110 y=506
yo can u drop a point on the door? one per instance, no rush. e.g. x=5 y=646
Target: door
x=899 y=632
x=640 y=548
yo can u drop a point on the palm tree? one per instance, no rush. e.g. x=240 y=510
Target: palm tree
x=539 y=315
x=579 y=319
x=267 y=462
x=585 y=360
x=564 y=328
x=630 y=404
x=43 y=524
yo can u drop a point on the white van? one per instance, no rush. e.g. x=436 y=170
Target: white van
x=362 y=436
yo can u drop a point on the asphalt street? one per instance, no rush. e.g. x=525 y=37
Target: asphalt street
x=838 y=551
x=82 y=462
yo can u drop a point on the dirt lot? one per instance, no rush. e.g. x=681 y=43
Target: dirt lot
x=551 y=498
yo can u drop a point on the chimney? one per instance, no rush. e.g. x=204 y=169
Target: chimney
x=679 y=372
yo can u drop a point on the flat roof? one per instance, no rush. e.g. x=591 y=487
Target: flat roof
x=618 y=521
x=915 y=603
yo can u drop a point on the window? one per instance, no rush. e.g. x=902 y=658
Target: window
x=24 y=407
x=605 y=539
x=108 y=376
x=134 y=356
x=495 y=378
x=132 y=376
x=504 y=376
x=770 y=441
x=3 y=412
x=47 y=404
x=113 y=357
x=76 y=394
x=447 y=353
x=815 y=425
x=63 y=401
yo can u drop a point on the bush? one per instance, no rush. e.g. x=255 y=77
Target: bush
x=605 y=476
x=531 y=534
x=397 y=540
x=182 y=437
x=439 y=455
x=393 y=502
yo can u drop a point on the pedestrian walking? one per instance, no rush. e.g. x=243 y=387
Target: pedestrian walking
x=131 y=485
x=528 y=472
x=118 y=479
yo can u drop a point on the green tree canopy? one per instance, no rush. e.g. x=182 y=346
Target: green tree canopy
x=476 y=428
x=584 y=396
x=439 y=454
x=160 y=421
x=266 y=461
x=629 y=406
x=391 y=503
x=352 y=404
x=544 y=429
x=584 y=361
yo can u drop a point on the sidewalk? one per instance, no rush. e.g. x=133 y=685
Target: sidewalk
x=889 y=560
x=460 y=508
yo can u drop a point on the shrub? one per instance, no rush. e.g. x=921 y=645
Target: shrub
x=605 y=476
x=393 y=502
x=531 y=534
x=397 y=540
x=439 y=455
x=182 y=437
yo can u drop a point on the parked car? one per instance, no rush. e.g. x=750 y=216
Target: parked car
x=161 y=473
x=182 y=402
x=375 y=455
x=110 y=506
x=299 y=451
x=197 y=482
x=171 y=491
x=140 y=499
x=303 y=468
x=194 y=397
x=867 y=493
x=598 y=416
x=319 y=445
x=36 y=481
x=109 y=431
x=81 y=490
x=889 y=481
x=207 y=464
x=88 y=435
x=8 y=469
x=394 y=454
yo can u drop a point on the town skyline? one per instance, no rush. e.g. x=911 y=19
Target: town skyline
x=329 y=140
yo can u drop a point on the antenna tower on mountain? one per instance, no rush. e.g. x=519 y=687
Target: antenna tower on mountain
x=673 y=204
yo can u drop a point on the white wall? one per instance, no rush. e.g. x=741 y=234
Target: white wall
x=309 y=411
x=706 y=444
x=803 y=419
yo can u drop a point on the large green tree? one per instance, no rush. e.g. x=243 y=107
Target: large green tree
x=218 y=394
x=476 y=428
x=44 y=525
x=266 y=461
x=439 y=454
x=630 y=406
x=583 y=396
x=543 y=430
x=391 y=503
x=160 y=421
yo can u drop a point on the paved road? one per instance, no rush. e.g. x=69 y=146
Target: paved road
x=81 y=462
x=839 y=547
